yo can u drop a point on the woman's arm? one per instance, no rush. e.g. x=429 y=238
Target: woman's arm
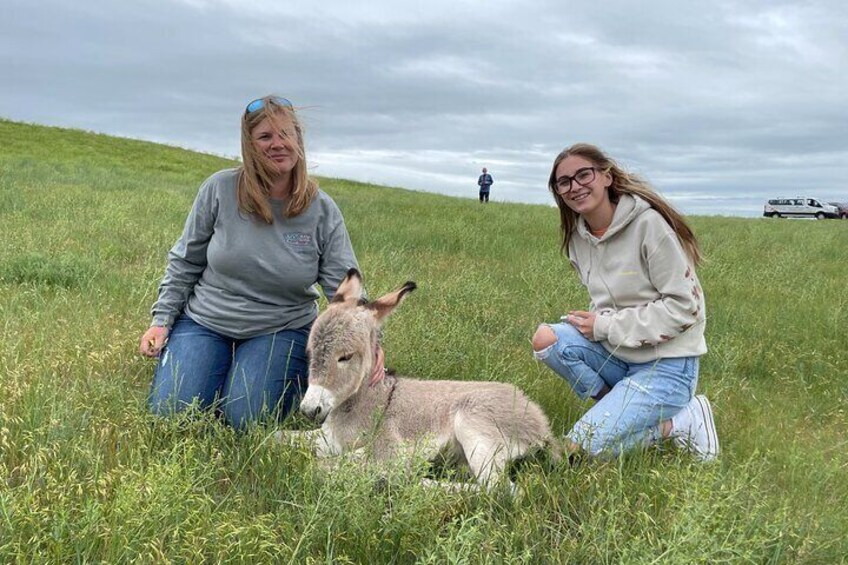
x=187 y=258
x=335 y=259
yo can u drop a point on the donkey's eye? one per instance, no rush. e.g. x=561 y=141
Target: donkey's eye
x=345 y=358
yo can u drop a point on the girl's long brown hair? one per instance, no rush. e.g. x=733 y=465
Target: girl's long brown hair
x=254 y=181
x=622 y=183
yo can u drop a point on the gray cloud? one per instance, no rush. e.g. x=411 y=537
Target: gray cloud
x=720 y=104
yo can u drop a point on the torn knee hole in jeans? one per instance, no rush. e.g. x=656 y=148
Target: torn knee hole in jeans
x=543 y=353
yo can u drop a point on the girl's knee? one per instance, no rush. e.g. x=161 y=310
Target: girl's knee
x=593 y=439
x=543 y=338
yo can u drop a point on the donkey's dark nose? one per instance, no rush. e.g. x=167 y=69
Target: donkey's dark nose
x=311 y=413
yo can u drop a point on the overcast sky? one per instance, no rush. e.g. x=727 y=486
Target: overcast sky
x=719 y=104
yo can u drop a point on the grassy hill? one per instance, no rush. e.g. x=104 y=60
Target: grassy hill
x=87 y=475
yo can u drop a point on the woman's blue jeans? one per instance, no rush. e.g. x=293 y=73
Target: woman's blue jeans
x=246 y=379
x=641 y=394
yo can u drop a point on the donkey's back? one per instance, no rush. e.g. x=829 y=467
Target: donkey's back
x=484 y=424
x=498 y=409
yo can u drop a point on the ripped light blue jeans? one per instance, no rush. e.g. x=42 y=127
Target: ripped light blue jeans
x=641 y=394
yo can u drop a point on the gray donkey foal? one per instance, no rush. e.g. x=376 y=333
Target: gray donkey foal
x=483 y=424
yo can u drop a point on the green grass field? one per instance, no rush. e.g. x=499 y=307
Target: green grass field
x=87 y=475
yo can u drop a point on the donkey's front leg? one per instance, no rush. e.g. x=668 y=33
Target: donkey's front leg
x=317 y=440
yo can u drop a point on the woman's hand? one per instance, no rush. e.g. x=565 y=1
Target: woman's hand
x=584 y=322
x=379 y=370
x=153 y=340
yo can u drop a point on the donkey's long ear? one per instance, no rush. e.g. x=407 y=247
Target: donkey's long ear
x=384 y=305
x=350 y=289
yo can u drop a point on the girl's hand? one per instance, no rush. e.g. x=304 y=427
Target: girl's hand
x=153 y=340
x=584 y=322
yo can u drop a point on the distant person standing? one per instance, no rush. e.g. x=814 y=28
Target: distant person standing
x=485 y=183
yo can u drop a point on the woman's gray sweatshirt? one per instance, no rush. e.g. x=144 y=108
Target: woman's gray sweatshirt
x=242 y=277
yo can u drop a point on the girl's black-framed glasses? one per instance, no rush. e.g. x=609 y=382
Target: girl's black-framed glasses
x=582 y=177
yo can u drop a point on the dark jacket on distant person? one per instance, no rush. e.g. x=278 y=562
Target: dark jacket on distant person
x=485 y=182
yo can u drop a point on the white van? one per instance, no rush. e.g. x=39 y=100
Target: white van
x=799 y=208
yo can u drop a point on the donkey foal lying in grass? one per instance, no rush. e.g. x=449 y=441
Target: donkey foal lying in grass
x=483 y=424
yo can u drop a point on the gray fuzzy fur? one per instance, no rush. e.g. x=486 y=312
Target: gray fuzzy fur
x=480 y=423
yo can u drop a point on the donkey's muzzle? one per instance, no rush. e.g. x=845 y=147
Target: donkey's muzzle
x=314 y=413
x=317 y=403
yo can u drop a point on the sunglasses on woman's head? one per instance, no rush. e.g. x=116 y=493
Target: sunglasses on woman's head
x=259 y=103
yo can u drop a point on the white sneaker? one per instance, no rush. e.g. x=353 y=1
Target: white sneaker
x=694 y=429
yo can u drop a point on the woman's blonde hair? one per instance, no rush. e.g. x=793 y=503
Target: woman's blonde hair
x=622 y=183
x=254 y=181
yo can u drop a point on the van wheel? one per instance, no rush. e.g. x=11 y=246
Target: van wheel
x=820 y=216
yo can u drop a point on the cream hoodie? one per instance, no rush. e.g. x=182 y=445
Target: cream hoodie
x=642 y=285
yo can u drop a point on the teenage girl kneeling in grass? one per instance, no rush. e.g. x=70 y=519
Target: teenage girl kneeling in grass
x=636 y=349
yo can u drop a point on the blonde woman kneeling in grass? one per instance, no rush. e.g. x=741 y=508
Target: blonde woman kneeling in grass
x=636 y=350
x=239 y=293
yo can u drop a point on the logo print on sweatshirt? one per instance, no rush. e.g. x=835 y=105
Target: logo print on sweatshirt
x=296 y=239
